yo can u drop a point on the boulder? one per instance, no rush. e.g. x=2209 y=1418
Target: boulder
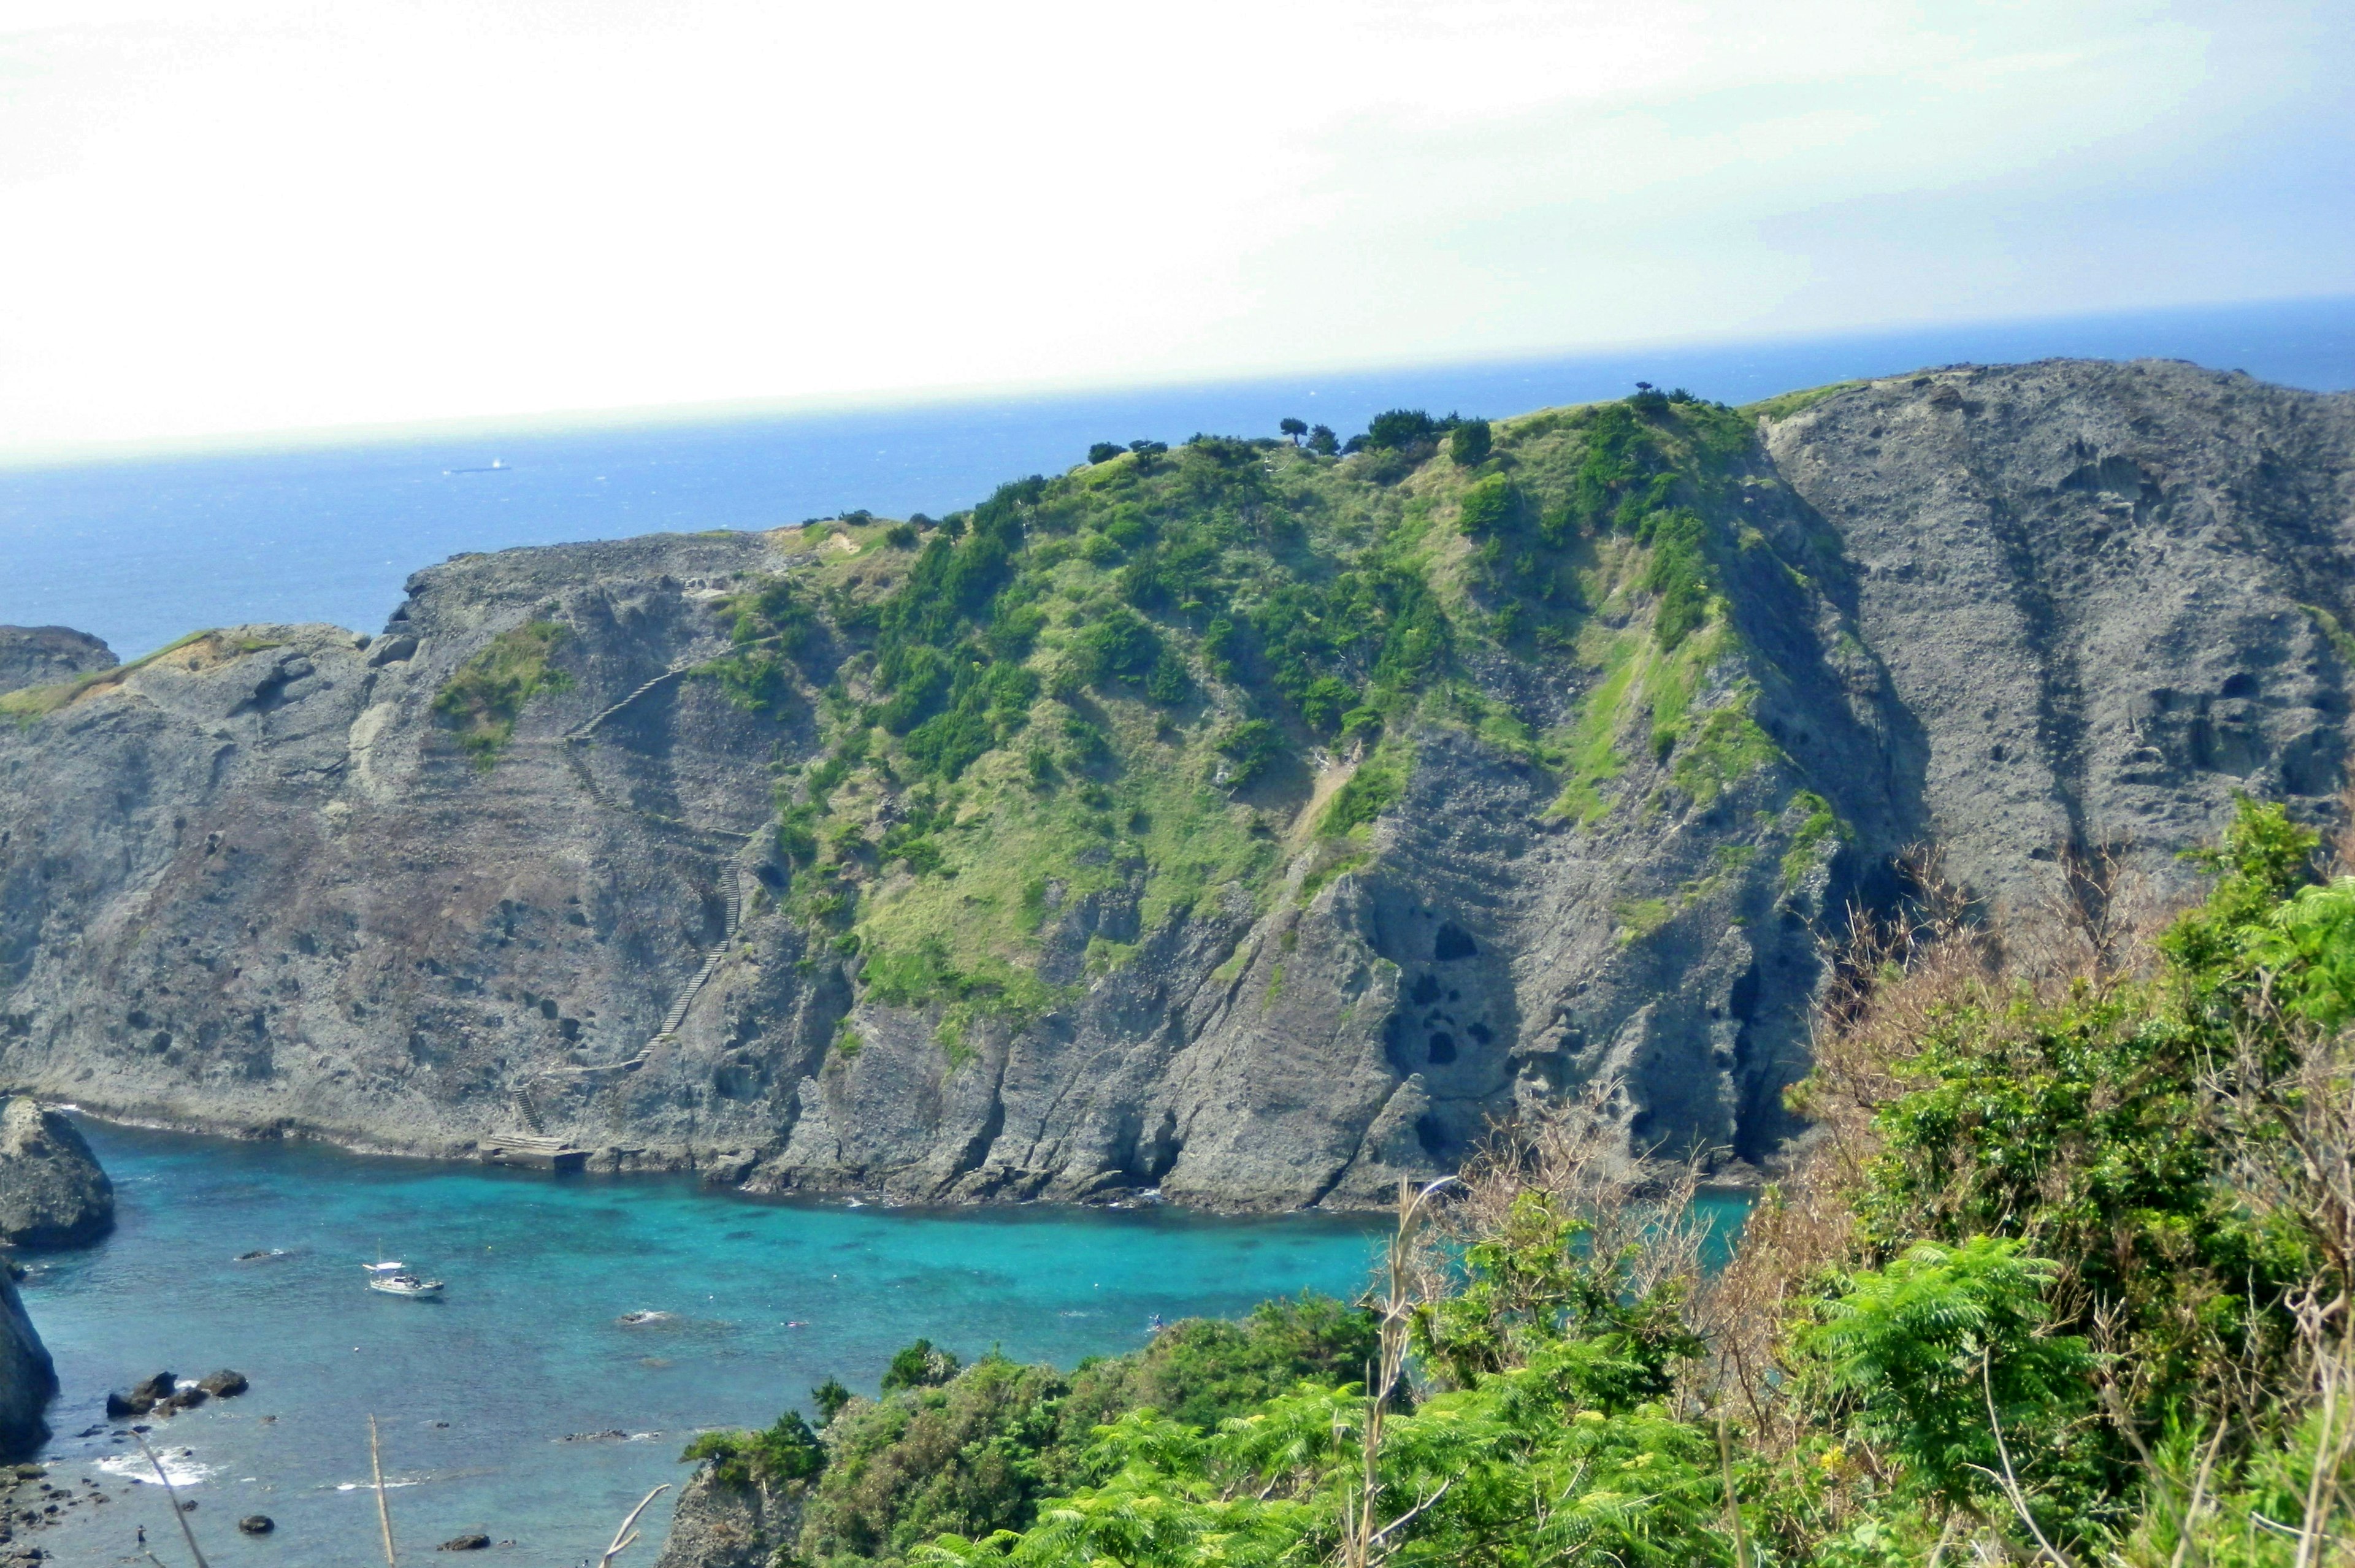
x=52 y=1193
x=28 y=1379
x=224 y=1384
x=473 y=1541
x=257 y=1524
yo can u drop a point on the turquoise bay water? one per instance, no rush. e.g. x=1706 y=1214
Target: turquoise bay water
x=766 y=1298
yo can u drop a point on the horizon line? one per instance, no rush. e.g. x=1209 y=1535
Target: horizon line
x=545 y=422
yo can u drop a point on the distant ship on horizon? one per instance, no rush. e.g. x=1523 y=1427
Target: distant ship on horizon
x=496 y=466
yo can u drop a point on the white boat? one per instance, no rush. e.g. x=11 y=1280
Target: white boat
x=393 y=1278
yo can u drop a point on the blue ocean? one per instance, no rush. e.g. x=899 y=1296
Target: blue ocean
x=139 y=552
x=521 y=1405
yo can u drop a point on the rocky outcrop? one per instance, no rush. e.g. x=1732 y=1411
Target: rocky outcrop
x=52 y=1192
x=44 y=656
x=722 y=1522
x=27 y=1379
x=2043 y=616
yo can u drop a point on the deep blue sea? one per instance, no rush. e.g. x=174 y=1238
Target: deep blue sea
x=139 y=552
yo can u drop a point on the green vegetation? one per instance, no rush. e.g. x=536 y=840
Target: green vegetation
x=974 y=1449
x=481 y=701
x=1131 y=679
x=2066 y=1277
x=2342 y=641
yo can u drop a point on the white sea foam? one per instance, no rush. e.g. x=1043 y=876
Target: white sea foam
x=182 y=1469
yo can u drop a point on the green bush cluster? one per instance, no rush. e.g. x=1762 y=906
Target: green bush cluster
x=947 y=1448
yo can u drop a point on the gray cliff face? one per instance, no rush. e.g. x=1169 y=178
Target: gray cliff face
x=27 y=1381
x=2050 y=610
x=729 y=1524
x=52 y=1192
x=41 y=655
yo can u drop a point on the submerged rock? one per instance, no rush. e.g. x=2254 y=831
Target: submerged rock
x=52 y=1192
x=474 y=1541
x=257 y=1524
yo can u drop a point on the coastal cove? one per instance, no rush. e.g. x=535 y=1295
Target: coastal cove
x=499 y=1405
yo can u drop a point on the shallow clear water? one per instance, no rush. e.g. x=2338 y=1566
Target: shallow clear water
x=766 y=1298
x=139 y=552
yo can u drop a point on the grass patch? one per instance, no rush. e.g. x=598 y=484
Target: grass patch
x=1818 y=826
x=1638 y=918
x=34 y=702
x=1785 y=405
x=481 y=701
x=1373 y=789
x=2341 y=639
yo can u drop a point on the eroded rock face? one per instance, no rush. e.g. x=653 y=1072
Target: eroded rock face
x=52 y=1192
x=27 y=1379
x=730 y=1524
x=43 y=656
x=2047 y=613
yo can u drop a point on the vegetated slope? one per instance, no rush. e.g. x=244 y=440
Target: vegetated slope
x=2065 y=1280
x=1234 y=819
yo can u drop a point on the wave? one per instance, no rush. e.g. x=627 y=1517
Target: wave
x=180 y=1469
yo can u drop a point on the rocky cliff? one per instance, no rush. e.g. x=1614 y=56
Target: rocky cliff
x=1240 y=821
x=725 y=1521
x=27 y=1379
x=52 y=1192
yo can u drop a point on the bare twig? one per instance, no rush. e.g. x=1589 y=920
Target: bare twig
x=383 y=1509
x=626 y=1535
x=2012 y=1494
x=186 y=1533
x=1733 y=1502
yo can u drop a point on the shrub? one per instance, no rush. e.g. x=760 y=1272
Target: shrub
x=1398 y=427
x=1469 y=442
x=788 y=1451
x=900 y=536
x=1249 y=747
x=1323 y=442
x=830 y=1397
x=1490 y=504
x=919 y=1365
x=1105 y=451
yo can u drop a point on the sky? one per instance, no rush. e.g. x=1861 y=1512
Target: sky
x=232 y=215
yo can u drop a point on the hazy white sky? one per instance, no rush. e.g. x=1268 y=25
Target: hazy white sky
x=236 y=215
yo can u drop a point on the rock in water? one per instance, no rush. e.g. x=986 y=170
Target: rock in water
x=224 y=1384
x=52 y=1193
x=474 y=1541
x=27 y=1379
x=732 y=1524
x=257 y=1524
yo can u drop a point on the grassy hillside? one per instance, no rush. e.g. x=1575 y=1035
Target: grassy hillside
x=1198 y=674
